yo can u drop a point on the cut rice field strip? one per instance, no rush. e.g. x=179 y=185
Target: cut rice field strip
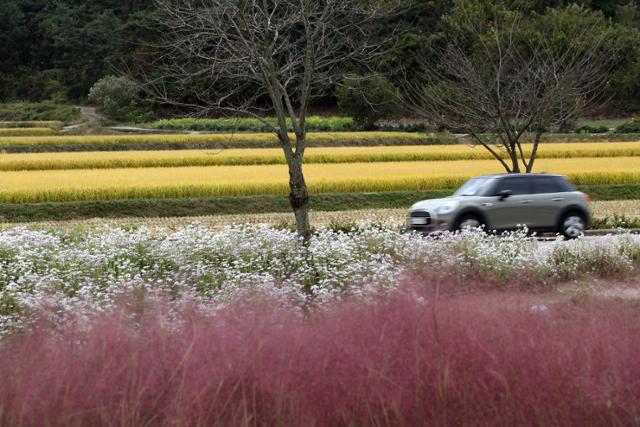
x=600 y=209
x=25 y=132
x=206 y=141
x=274 y=156
x=67 y=185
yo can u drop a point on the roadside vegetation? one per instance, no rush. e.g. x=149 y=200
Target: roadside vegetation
x=77 y=272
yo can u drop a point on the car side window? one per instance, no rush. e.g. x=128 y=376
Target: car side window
x=548 y=184
x=515 y=185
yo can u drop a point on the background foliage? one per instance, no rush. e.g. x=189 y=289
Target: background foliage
x=57 y=50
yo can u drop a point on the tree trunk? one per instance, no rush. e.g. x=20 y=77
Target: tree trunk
x=515 y=164
x=299 y=197
x=534 y=151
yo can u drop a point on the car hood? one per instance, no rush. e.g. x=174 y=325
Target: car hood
x=433 y=203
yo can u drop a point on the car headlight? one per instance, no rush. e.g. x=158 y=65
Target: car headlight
x=447 y=208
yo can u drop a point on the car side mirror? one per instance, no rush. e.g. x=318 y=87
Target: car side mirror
x=504 y=194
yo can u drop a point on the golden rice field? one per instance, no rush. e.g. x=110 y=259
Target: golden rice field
x=274 y=156
x=124 y=183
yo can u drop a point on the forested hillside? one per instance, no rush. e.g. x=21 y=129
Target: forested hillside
x=57 y=50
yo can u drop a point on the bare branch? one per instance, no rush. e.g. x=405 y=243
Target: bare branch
x=516 y=79
x=239 y=56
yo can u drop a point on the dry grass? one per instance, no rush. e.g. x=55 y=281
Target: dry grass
x=269 y=156
x=35 y=186
x=608 y=209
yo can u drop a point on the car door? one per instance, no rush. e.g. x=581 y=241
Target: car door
x=515 y=210
x=550 y=196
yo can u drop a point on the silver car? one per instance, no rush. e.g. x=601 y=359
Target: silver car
x=541 y=202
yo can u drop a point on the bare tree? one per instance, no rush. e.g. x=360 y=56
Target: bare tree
x=512 y=83
x=274 y=54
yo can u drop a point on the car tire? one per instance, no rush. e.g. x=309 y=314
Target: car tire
x=572 y=225
x=468 y=221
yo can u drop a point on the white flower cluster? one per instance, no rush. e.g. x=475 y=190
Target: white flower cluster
x=74 y=274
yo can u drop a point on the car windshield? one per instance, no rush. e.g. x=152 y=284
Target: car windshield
x=474 y=187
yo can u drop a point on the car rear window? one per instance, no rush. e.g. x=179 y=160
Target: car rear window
x=516 y=185
x=551 y=184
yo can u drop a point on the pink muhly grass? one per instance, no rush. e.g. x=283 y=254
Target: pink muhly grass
x=480 y=359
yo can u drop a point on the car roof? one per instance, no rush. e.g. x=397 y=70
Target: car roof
x=507 y=175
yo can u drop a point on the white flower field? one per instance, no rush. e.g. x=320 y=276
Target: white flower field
x=71 y=274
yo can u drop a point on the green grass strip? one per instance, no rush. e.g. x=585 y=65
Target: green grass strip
x=52 y=124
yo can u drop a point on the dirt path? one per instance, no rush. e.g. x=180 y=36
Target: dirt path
x=92 y=116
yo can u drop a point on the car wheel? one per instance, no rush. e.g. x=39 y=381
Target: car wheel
x=469 y=221
x=572 y=225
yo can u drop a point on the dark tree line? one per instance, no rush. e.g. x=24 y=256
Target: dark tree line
x=57 y=49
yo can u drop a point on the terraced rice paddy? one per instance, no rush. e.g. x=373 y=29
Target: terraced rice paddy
x=126 y=183
x=160 y=166
x=273 y=156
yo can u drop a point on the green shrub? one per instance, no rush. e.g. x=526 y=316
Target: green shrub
x=405 y=127
x=568 y=126
x=117 y=97
x=632 y=126
x=250 y=124
x=592 y=129
x=38 y=111
x=367 y=100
